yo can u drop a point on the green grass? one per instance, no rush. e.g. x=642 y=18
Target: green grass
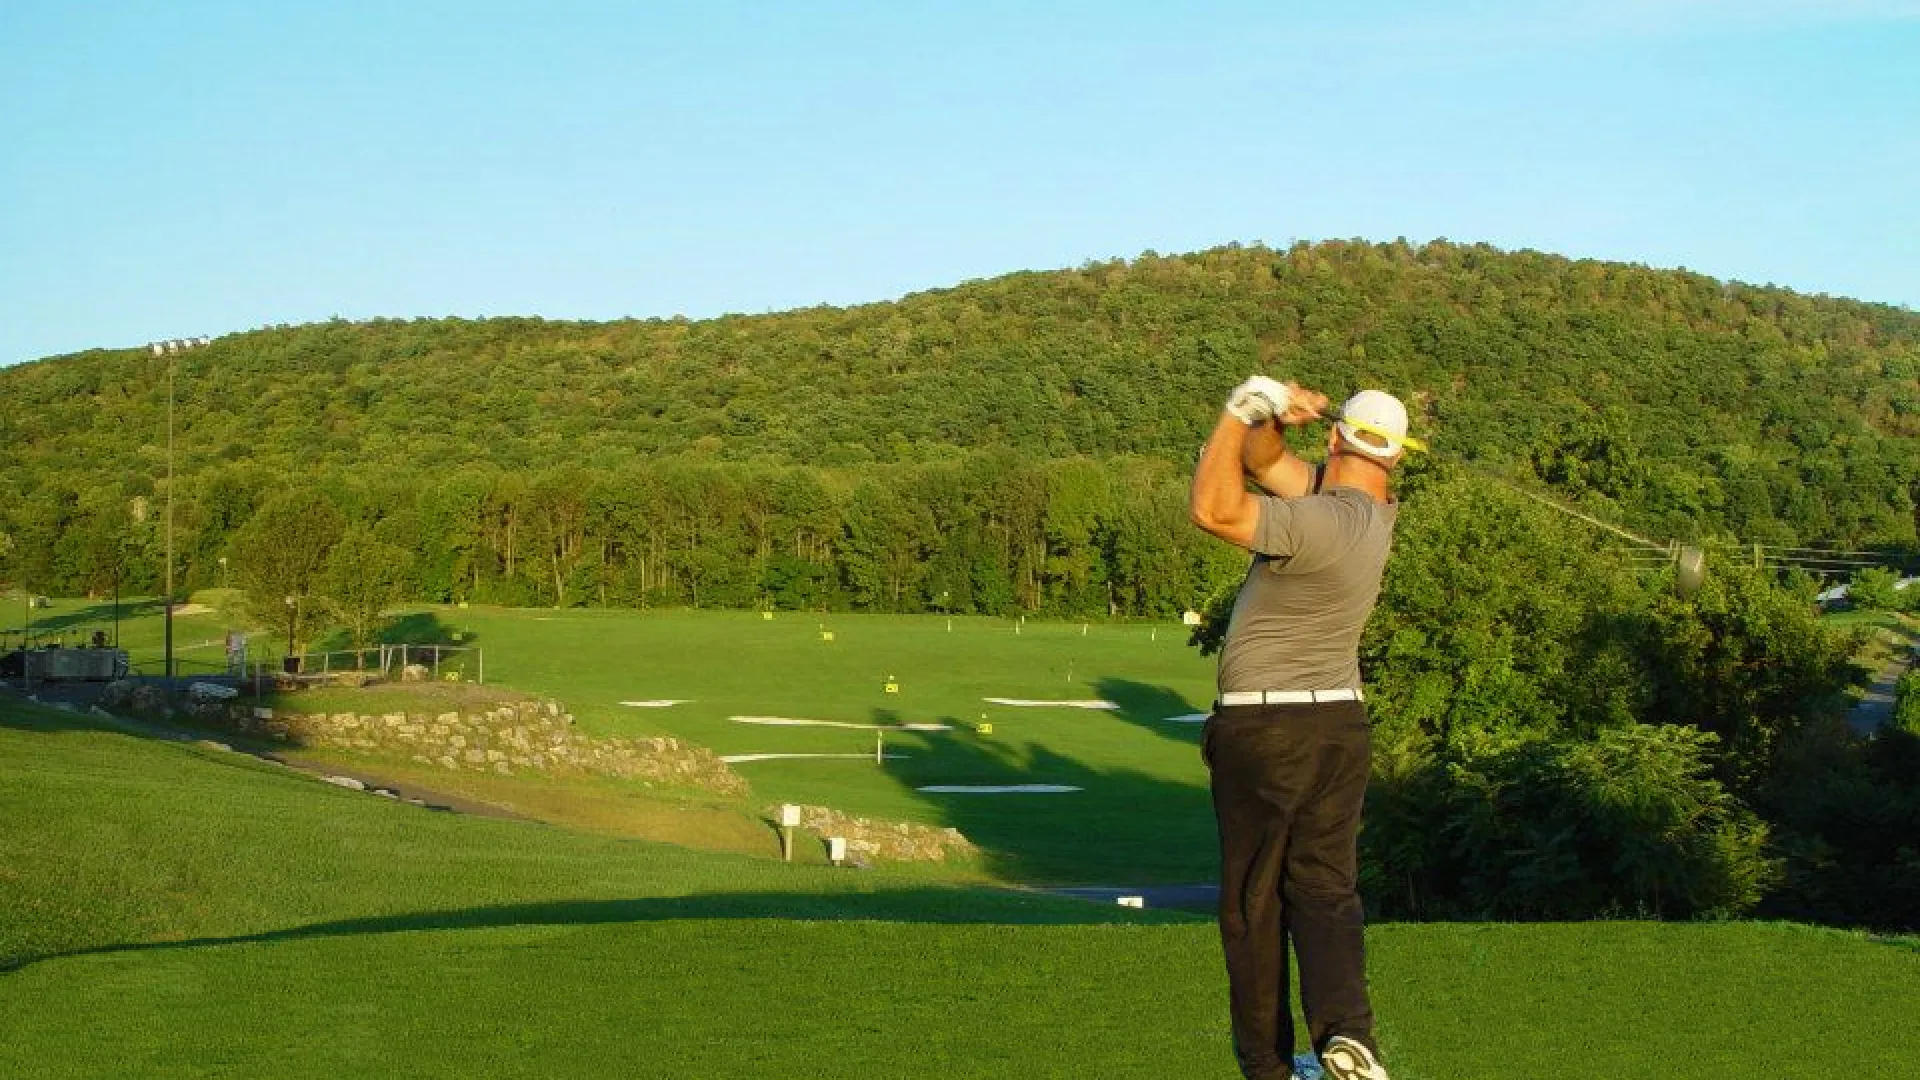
x=687 y=817
x=113 y=838
x=172 y=911
x=1143 y=815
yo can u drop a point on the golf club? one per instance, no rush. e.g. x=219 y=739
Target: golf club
x=1689 y=561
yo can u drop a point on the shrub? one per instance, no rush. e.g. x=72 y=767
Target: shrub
x=1906 y=704
x=1849 y=828
x=1872 y=588
x=1627 y=823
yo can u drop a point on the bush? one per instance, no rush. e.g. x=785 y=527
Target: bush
x=1627 y=823
x=1906 y=704
x=1849 y=827
x=1873 y=588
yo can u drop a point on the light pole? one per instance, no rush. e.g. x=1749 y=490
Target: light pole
x=170 y=349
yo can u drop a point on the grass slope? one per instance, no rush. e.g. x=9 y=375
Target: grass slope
x=113 y=839
x=170 y=911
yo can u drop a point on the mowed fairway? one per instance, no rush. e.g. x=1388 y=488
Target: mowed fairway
x=1142 y=814
x=177 y=911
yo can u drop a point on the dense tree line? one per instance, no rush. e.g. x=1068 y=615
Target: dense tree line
x=984 y=533
x=1683 y=405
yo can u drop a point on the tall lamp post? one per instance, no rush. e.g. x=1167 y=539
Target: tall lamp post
x=170 y=349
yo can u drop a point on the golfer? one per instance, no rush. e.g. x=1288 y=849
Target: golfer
x=1288 y=742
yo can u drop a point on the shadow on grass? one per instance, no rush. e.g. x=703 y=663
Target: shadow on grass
x=95 y=616
x=23 y=715
x=420 y=628
x=930 y=905
x=1118 y=826
x=1154 y=708
x=423 y=628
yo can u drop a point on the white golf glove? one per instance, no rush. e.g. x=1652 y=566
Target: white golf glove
x=1259 y=398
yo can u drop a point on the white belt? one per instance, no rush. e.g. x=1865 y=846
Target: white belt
x=1289 y=697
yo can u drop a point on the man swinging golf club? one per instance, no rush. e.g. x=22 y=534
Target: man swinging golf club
x=1288 y=742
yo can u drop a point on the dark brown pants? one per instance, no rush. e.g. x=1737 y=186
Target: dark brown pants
x=1288 y=785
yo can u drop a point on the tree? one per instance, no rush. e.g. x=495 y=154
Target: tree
x=363 y=576
x=280 y=555
x=556 y=528
x=883 y=548
x=1501 y=619
x=1748 y=660
x=1872 y=588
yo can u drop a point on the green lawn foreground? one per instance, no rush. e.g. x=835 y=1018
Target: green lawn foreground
x=176 y=911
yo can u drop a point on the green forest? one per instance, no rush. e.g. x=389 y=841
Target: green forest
x=1560 y=735
x=1012 y=444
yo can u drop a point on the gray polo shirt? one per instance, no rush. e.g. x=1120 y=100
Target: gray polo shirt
x=1317 y=562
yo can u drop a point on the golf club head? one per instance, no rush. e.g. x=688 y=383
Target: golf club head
x=1689 y=570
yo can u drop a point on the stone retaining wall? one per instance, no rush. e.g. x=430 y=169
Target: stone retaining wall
x=869 y=840
x=522 y=737
x=539 y=737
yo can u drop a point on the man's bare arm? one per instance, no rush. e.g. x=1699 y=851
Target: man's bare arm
x=1219 y=501
x=1269 y=463
x=1265 y=457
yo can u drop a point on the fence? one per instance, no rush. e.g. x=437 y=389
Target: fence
x=388 y=659
x=382 y=660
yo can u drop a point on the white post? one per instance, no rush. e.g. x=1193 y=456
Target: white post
x=789 y=817
x=879 y=747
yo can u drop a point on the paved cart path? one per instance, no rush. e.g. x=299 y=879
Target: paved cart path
x=1876 y=708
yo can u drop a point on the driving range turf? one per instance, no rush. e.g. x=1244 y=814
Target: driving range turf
x=169 y=909
x=1142 y=814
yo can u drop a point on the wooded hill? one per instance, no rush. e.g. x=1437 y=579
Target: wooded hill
x=1677 y=404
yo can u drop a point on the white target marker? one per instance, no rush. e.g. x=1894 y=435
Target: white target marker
x=789 y=721
x=740 y=759
x=998 y=789
x=1034 y=703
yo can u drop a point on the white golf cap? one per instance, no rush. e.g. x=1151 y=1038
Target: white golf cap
x=1374 y=423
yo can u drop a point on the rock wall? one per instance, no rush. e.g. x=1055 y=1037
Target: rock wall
x=523 y=737
x=869 y=840
x=539 y=737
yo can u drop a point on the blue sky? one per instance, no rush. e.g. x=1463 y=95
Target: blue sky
x=170 y=169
